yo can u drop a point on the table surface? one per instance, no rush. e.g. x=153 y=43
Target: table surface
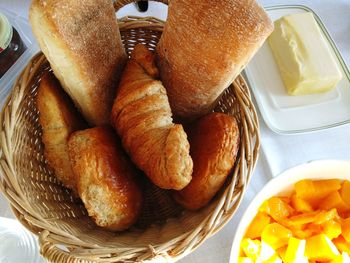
x=278 y=152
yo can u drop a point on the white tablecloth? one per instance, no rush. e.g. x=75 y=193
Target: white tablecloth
x=278 y=152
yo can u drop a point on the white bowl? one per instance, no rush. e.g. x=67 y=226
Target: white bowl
x=284 y=184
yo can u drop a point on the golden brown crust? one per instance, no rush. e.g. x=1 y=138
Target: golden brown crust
x=106 y=178
x=81 y=40
x=58 y=119
x=214 y=141
x=204 y=46
x=141 y=115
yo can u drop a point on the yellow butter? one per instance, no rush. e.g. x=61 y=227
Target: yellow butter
x=303 y=57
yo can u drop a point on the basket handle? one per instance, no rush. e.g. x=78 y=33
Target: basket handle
x=120 y=3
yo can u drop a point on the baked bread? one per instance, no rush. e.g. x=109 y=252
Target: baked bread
x=142 y=117
x=81 y=40
x=204 y=46
x=106 y=178
x=58 y=119
x=214 y=141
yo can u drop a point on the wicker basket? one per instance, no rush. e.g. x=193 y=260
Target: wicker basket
x=66 y=234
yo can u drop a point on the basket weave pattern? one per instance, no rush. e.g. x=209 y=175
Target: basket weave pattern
x=49 y=210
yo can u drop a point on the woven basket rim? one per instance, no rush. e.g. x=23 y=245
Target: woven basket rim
x=184 y=244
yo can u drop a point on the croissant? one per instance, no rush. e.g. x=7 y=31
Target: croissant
x=142 y=117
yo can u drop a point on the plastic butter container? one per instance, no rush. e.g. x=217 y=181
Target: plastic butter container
x=286 y=114
x=24 y=30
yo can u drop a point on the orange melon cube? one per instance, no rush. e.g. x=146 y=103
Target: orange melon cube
x=342 y=244
x=334 y=200
x=281 y=252
x=324 y=216
x=317 y=217
x=345 y=214
x=300 y=205
x=302 y=233
x=345 y=192
x=285 y=199
x=320 y=248
x=345 y=227
x=295 y=251
x=314 y=191
x=314 y=229
x=332 y=229
x=257 y=225
x=277 y=208
x=276 y=235
x=303 y=219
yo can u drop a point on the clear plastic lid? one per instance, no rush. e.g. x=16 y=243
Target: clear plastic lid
x=17 y=243
x=5 y=32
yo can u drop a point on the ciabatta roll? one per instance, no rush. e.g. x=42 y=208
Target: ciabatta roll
x=81 y=40
x=204 y=46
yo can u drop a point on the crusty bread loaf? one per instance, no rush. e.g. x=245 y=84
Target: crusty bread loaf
x=81 y=40
x=214 y=141
x=141 y=115
x=58 y=119
x=106 y=178
x=204 y=46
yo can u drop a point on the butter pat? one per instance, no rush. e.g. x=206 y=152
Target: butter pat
x=303 y=57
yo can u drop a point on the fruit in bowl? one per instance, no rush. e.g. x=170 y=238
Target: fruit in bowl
x=302 y=215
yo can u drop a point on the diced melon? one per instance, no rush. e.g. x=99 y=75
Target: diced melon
x=302 y=233
x=331 y=228
x=317 y=217
x=276 y=235
x=281 y=252
x=257 y=225
x=295 y=251
x=277 y=208
x=314 y=191
x=300 y=204
x=341 y=244
x=345 y=227
x=334 y=200
x=345 y=191
x=320 y=248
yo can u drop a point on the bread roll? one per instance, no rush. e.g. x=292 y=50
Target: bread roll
x=81 y=40
x=142 y=117
x=214 y=141
x=204 y=46
x=106 y=178
x=58 y=119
